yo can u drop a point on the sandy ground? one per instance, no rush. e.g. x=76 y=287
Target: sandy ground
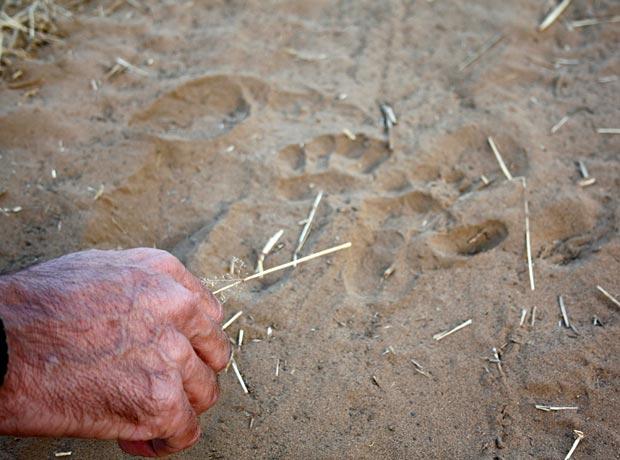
x=236 y=127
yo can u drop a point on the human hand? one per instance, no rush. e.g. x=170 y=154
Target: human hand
x=111 y=345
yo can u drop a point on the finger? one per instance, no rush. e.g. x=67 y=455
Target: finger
x=167 y=263
x=185 y=438
x=179 y=308
x=209 y=341
x=199 y=380
x=184 y=431
x=137 y=448
x=200 y=385
x=208 y=301
x=166 y=299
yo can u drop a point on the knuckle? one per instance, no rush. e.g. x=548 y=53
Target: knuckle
x=166 y=403
x=212 y=398
x=177 y=348
x=165 y=261
x=208 y=399
x=169 y=403
x=140 y=253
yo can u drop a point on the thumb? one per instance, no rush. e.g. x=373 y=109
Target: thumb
x=138 y=448
x=183 y=433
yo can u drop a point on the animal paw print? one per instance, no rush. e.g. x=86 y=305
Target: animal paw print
x=335 y=163
x=202 y=108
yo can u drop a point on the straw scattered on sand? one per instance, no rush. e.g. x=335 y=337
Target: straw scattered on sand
x=26 y=26
x=239 y=376
x=497 y=360
x=419 y=369
x=293 y=263
x=523 y=316
x=121 y=65
x=559 y=124
x=608 y=130
x=443 y=335
x=563 y=311
x=548 y=408
x=389 y=121
x=303 y=236
x=267 y=249
x=554 y=14
x=486 y=47
x=585 y=180
x=347 y=132
x=232 y=319
x=586 y=22
x=580 y=436
x=13 y=210
x=526 y=209
x=609 y=296
x=499 y=158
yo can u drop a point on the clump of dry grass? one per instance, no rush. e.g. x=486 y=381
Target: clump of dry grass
x=26 y=25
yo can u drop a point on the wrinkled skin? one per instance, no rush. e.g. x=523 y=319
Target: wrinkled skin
x=119 y=345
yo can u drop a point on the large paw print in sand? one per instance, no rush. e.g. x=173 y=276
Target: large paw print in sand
x=211 y=106
x=334 y=163
x=206 y=107
x=427 y=224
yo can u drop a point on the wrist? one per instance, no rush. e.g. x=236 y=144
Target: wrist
x=9 y=415
x=4 y=353
x=4 y=345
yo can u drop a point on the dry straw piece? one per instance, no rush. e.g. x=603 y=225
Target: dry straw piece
x=389 y=271
x=559 y=124
x=497 y=360
x=267 y=249
x=232 y=319
x=293 y=263
x=523 y=315
x=547 y=408
x=609 y=296
x=121 y=65
x=608 y=130
x=347 y=132
x=303 y=236
x=389 y=121
x=580 y=436
x=419 y=369
x=586 y=180
x=528 y=239
x=499 y=159
x=239 y=376
x=554 y=14
x=593 y=21
x=494 y=40
x=526 y=208
x=442 y=335
x=240 y=339
x=27 y=25
x=564 y=313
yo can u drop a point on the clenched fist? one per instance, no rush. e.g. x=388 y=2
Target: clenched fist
x=119 y=345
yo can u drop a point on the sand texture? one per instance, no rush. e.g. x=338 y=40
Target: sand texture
x=238 y=125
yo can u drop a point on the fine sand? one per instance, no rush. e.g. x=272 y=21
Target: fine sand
x=232 y=126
